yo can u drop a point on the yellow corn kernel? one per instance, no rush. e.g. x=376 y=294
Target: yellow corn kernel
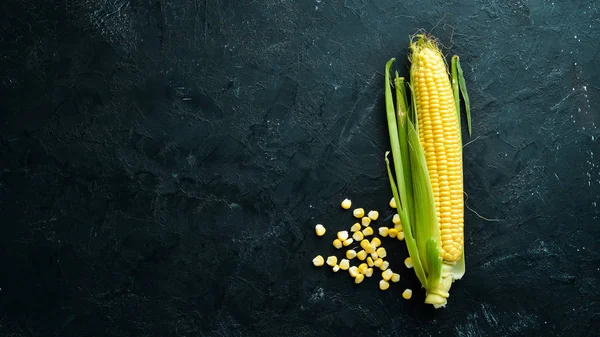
x=362 y=255
x=396 y=219
x=336 y=268
x=344 y=264
x=385 y=265
x=362 y=268
x=358 y=236
x=342 y=235
x=383 y=285
x=392 y=232
x=359 y=278
x=373 y=215
x=393 y=203
x=356 y=227
x=366 y=221
x=381 y=252
x=377 y=263
x=374 y=256
x=383 y=231
x=395 y=277
x=400 y=236
x=369 y=272
x=387 y=275
x=370 y=261
x=346 y=204
x=353 y=271
x=337 y=243
x=358 y=213
x=398 y=227
x=375 y=242
x=364 y=244
x=407 y=294
x=318 y=261
x=350 y=254
x=331 y=260
x=408 y=262
x=437 y=125
x=348 y=242
x=367 y=231
x=320 y=230
x=370 y=249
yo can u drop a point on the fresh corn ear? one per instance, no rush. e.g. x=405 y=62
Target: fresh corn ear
x=427 y=182
x=439 y=135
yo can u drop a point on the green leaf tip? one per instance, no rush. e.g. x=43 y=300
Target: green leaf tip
x=463 y=90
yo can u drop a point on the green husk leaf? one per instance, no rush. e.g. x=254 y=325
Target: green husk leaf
x=411 y=243
x=402 y=170
x=394 y=137
x=402 y=114
x=425 y=215
x=456 y=92
x=401 y=102
x=435 y=264
x=463 y=90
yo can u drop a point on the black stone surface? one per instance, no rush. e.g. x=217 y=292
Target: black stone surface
x=163 y=164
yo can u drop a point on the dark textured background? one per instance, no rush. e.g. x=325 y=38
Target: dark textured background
x=163 y=163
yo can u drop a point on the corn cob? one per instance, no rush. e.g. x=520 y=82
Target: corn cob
x=427 y=153
x=439 y=134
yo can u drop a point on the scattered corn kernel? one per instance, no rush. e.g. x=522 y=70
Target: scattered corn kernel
x=336 y=268
x=367 y=231
x=358 y=236
x=364 y=244
x=358 y=213
x=381 y=252
x=392 y=232
x=407 y=294
x=395 y=277
x=370 y=261
x=385 y=265
x=348 y=242
x=393 y=203
x=356 y=227
x=376 y=242
x=396 y=219
x=365 y=221
x=400 y=236
x=320 y=230
x=370 y=249
x=346 y=203
x=362 y=255
x=337 y=243
x=387 y=275
x=362 y=268
x=369 y=272
x=373 y=215
x=344 y=264
x=374 y=256
x=353 y=271
x=331 y=260
x=383 y=285
x=342 y=235
x=350 y=254
x=377 y=263
x=398 y=227
x=318 y=261
x=383 y=231
x=359 y=278
x=408 y=262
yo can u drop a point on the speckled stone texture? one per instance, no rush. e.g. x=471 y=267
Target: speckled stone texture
x=163 y=164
